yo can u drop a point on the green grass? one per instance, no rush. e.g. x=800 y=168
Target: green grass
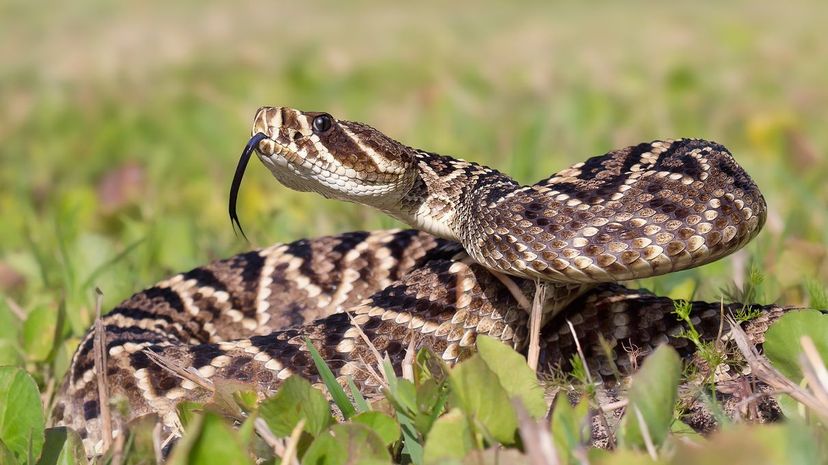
x=121 y=125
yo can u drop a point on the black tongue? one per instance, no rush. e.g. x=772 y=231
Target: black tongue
x=237 y=179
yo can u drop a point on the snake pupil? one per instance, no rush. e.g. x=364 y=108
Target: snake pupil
x=322 y=123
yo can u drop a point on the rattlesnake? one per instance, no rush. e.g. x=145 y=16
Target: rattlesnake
x=483 y=243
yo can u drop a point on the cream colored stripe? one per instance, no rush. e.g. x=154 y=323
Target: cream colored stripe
x=375 y=157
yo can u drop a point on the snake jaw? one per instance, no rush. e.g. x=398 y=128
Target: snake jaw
x=275 y=156
x=288 y=168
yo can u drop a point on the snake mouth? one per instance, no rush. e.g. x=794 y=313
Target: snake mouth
x=273 y=149
x=275 y=155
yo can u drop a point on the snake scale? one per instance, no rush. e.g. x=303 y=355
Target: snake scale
x=481 y=245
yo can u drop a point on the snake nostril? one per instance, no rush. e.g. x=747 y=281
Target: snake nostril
x=296 y=136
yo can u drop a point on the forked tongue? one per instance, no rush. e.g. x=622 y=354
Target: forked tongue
x=237 y=179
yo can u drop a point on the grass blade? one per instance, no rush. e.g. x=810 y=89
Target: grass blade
x=337 y=393
x=411 y=440
x=361 y=403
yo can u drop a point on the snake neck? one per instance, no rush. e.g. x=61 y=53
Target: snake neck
x=445 y=191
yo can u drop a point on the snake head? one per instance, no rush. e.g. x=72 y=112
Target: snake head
x=312 y=151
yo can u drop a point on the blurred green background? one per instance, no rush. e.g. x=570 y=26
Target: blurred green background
x=121 y=122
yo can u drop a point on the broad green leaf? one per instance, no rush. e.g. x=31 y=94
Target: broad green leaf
x=345 y=444
x=141 y=441
x=431 y=398
x=403 y=396
x=682 y=431
x=9 y=353
x=188 y=412
x=782 y=344
x=571 y=426
x=791 y=408
x=789 y=443
x=247 y=430
x=449 y=438
x=296 y=399
x=63 y=446
x=385 y=427
x=9 y=324
x=247 y=399
x=476 y=390
x=6 y=456
x=39 y=332
x=325 y=450
x=21 y=415
x=653 y=393
x=514 y=374
x=495 y=456
x=210 y=441
x=623 y=457
x=430 y=379
x=429 y=366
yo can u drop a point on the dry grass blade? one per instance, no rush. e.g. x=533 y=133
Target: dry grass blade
x=372 y=372
x=99 y=349
x=719 y=342
x=370 y=345
x=600 y=412
x=513 y=288
x=762 y=369
x=16 y=309
x=753 y=398
x=645 y=434
x=157 y=443
x=580 y=351
x=615 y=405
x=609 y=357
x=536 y=438
x=118 y=450
x=535 y=319
x=813 y=367
x=180 y=371
x=408 y=361
x=293 y=444
x=268 y=437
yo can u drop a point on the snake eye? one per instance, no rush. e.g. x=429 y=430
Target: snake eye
x=322 y=123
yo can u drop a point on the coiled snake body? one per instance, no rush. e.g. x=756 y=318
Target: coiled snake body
x=482 y=243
